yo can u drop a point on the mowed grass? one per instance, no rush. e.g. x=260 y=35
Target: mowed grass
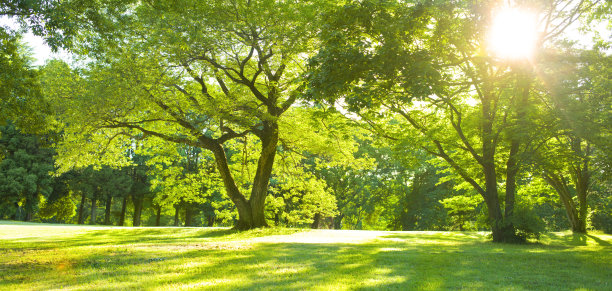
x=42 y=257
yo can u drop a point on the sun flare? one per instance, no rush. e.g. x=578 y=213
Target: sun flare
x=513 y=34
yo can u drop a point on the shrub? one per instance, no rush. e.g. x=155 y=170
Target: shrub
x=527 y=223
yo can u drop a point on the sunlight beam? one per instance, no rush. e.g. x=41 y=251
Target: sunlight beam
x=513 y=34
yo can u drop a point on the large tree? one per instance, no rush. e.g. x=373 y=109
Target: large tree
x=577 y=148
x=197 y=74
x=426 y=67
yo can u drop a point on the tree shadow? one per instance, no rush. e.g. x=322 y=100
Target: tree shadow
x=601 y=242
x=401 y=261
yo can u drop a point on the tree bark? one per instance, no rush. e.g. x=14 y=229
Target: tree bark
x=137 y=210
x=81 y=219
x=158 y=216
x=123 y=208
x=176 y=215
x=581 y=176
x=107 y=210
x=337 y=221
x=250 y=212
x=259 y=191
x=316 y=221
x=245 y=220
x=188 y=214
x=511 y=172
x=500 y=229
x=512 y=164
x=93 y=211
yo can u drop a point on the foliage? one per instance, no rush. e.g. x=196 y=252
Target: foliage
x=184 y=86
x=20 y=94
x=61 y=209
x=24 y=171
x=527 y=222
x=461 y=211
x=420 y=73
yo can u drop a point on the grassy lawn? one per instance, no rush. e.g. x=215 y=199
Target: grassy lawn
x=42 y=257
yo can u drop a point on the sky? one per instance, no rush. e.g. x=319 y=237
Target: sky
x=40 y=51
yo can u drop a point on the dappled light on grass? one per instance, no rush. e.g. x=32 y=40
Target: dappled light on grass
x=287 y=259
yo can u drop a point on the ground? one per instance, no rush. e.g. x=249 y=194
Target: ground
x=42 y=257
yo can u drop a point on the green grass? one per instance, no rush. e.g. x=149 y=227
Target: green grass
x=42 y=257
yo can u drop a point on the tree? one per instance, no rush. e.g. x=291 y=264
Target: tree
x=199 y=74
x=424 y=66
x=20 y=95
x=580 y=133
x=24 y=171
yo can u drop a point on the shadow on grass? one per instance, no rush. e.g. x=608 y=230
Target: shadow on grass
x=398 y=261
x=122 y=237
x=575 y=239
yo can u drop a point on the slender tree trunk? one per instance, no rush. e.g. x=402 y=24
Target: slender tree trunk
x=93 y=210
x=107 y=210
x=137 y=210
x=123 y=208
x=188 y=214
x=581 y=176
x=158 y=216
x=211 y=220
x=176 y=214
x=562 y=189
x=511 y=172
x=316 y=221
x=81 y=219
x=337 y=221
x=277 y=218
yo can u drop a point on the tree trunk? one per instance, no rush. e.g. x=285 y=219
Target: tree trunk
x=511 y=172
x=337 y=221
x=81 y=219
x=176 y=215
x=137 y=210
x=251 y=212
x=188 y=214
x=107 y=210
x=123 y=207
x=93 y=211
x=500 y=229
x=562 y=189
x=211 y=220
x=581 y=176
x=158 y=216
x=262 y=178
x=316 y=221
x=512 y=165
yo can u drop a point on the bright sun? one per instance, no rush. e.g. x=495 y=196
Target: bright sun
x=513 y=34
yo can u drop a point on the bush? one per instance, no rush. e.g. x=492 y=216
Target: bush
x=527 y=223
x=602 y=220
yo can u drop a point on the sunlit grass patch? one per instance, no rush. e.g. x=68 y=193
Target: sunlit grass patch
x=41 y=257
